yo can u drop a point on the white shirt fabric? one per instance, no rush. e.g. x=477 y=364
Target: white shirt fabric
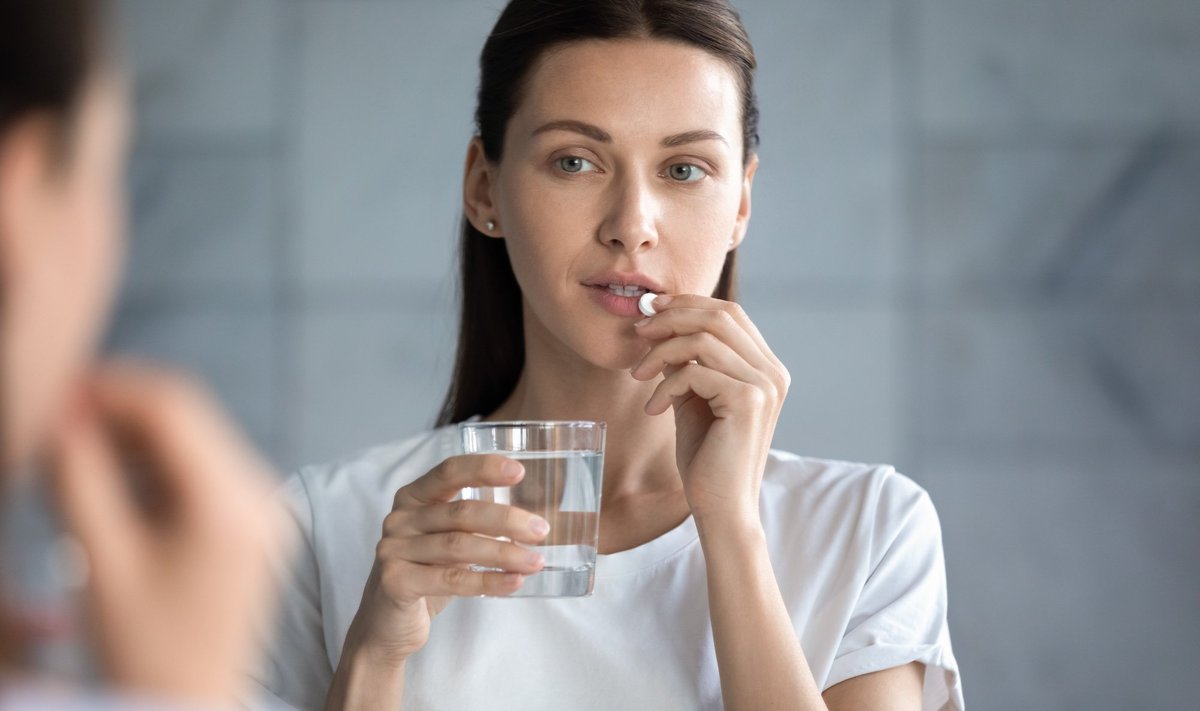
x=856 y=550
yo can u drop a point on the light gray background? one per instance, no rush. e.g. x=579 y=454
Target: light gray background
x=975 y=244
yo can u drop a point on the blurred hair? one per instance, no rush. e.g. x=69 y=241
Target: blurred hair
x=491 y=345
x=48 y=49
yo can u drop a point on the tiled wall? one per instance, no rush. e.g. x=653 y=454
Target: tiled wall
x=975 y=244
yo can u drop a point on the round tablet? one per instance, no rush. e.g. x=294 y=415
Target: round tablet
x=646 y=303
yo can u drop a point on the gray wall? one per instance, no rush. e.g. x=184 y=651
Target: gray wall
x=976 y=245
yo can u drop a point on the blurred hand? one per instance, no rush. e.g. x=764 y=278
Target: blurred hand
x=428 y=543
x=172 y=510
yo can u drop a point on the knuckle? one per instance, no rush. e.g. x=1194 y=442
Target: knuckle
x=392 y=523
x=457 y=542
x=458 y=511
x=452 y=467
x=736 y=310
x=392 y=576
x=454 y=578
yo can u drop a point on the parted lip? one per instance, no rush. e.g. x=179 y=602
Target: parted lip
x=625 y=279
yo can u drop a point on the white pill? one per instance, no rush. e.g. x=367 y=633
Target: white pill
x=646 y=303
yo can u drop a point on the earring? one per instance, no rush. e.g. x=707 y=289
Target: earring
x=490 y=225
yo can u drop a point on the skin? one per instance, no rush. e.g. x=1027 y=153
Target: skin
x=177 y=574
x=571 y=204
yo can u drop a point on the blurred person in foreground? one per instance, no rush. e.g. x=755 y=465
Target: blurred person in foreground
x=177 y=545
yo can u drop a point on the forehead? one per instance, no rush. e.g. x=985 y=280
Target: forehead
x=627 y=84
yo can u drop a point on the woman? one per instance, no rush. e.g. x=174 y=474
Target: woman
x=174 y=583
x=616 y=147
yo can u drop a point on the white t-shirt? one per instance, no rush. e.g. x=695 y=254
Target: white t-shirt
x=856 y=551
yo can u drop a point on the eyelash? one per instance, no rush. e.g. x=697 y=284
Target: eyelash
x=559 y=161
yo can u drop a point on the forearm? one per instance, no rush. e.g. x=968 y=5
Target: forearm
x=761 y=663
x=362 y=682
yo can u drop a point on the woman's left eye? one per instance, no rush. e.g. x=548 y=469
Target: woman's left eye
x=575 y=164
x=686 y=172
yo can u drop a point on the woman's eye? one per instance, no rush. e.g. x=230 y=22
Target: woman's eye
x=686 y=172
x=575 y=164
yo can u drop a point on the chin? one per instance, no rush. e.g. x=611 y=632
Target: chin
x=616 y=353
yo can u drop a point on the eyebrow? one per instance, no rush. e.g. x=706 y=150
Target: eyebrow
x=598 y=134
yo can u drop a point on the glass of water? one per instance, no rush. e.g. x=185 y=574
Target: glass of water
x=564 y=462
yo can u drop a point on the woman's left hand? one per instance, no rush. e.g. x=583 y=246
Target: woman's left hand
x=727 y=388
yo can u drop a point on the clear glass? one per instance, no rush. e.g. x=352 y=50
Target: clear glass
x=564 y=463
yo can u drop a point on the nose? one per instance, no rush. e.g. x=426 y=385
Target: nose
x=632 y=221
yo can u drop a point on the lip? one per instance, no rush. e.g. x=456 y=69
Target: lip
x=625 y=279
x=624 y=306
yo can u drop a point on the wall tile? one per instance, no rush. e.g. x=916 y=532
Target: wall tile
x=368 y=373
x=202 y=221
x=227 y=340
x=1067 y=566
x=382 y=137
x=1059 y=220
x=844 y=398
x=1022 y=65
x=1076 y=375
x=825 y=194
x=205 y=66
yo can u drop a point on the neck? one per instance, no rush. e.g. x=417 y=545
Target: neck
x=556 y=384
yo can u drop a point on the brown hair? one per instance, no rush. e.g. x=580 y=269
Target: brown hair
x=491 y=346
x=48 y=49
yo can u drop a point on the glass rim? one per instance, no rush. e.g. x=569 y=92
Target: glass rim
x=540 y=424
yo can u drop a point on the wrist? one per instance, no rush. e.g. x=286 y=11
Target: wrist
x=741 y=526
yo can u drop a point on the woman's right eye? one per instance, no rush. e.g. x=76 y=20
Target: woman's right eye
x=575 y=164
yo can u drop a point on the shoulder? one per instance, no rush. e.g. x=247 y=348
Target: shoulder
x=369 y=477
x=870 y=504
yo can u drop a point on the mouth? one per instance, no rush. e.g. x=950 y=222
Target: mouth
x=627 y=284
x=630 y=290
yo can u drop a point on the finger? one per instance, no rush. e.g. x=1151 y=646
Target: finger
x=93 y=497
x=408 y=582
x=734 y=310
x=197 y=459
x=470 y=516
x=458 y=547
x=704 y=348
x=725 y=395
x=717 y=321
x=448 y=479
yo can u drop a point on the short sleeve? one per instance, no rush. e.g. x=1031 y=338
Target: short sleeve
x=296 y=670
x=900 y=614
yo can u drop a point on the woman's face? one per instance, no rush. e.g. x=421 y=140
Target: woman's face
x=61 y=226
x=622 y=164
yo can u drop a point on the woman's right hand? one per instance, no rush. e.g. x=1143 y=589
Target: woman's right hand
x=429 y=542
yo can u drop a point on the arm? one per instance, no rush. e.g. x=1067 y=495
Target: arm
x=761 y=663
x=726 y=389
x=421 y=562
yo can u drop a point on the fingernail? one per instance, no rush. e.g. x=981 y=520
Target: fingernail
x=512 y=469
x=512 y=578
x=539 y=526
x=643 y=322
x=662 y=300
x=535 y=559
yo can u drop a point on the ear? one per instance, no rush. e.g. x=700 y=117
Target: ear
x=743 y=215
x=479 y=177
x=26 y=177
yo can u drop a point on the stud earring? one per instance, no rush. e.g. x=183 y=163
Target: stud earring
x=490 y=225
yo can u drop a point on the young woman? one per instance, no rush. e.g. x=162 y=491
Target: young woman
x=175 y=581
x=616 y=147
